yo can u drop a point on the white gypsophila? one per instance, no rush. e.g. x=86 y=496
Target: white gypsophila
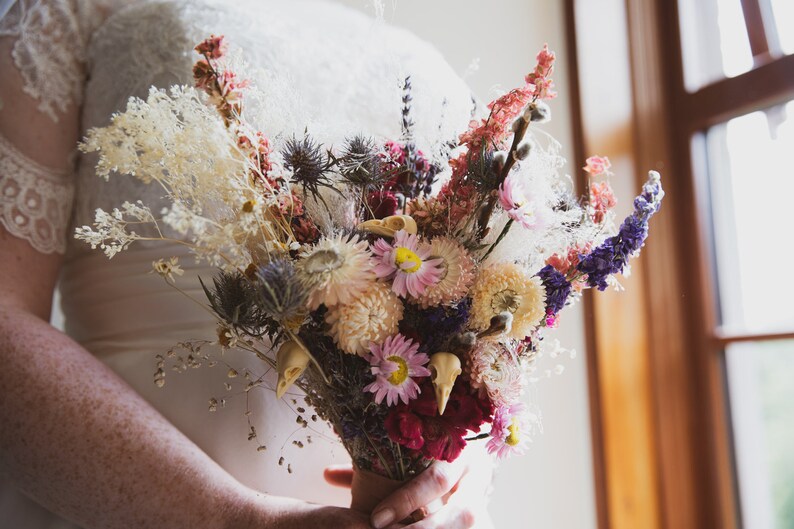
x=548 y=360
x=167 y=269
x=542 y=177
x=175 y=138
x=110 y=231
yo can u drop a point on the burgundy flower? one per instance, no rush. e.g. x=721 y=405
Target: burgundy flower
x=439 y=437
x=405 y=428
x=203 y=74
x=382 y=204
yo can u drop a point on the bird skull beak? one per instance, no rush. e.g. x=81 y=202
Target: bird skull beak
x=291 y=362
x=444 y=369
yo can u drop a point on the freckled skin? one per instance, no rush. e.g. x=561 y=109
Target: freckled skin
x=80 y=441
x=73 y=435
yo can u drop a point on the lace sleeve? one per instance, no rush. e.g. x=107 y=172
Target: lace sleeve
x=50 y=41
x=42 y=55
x=36 y=201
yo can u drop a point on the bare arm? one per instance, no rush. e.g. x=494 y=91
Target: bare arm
x=73 y=435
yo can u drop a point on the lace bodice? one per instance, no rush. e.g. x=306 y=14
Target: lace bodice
x=317 y=66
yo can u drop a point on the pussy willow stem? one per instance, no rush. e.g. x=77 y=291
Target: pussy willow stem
x=487 y=211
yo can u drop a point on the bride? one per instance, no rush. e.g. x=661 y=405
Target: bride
x=86 y=435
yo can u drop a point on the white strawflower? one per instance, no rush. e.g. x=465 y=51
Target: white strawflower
x=338 y=268
x=496 y=372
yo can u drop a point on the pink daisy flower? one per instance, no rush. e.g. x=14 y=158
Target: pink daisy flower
x=395 y=363
x=407 y=262
x=518 y=204
x=509 y=431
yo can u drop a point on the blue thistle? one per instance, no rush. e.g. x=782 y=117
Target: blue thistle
x=281 y=292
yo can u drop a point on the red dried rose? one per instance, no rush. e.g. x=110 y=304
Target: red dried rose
x=418 y=425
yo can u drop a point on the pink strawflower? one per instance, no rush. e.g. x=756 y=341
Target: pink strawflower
x=596 y=165
x=602 y=199
x=395 y=364
x=509 y=431
x=407 y=263
x=518 y=204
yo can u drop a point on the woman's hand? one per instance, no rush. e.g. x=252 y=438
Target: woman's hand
x=453 y=494
x=287 y=513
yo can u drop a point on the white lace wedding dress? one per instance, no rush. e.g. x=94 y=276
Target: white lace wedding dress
x=319 y=66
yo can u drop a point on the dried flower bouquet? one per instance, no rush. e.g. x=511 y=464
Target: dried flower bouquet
x=405 y=293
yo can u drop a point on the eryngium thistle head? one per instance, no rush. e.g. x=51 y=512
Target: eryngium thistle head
x=308 y=163
x=234 y=300
x=281 y=293
x=359 y=163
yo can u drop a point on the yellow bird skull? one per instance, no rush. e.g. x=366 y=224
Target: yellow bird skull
x=390 y=225
x=444 y=369
x=291 y=361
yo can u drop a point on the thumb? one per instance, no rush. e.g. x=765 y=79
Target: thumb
x=339 y=475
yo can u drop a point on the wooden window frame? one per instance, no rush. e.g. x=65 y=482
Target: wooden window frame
x=662 y=448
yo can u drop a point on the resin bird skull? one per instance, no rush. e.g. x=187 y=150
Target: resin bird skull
x=390 y=225
x=291 y=360
x=444 y=369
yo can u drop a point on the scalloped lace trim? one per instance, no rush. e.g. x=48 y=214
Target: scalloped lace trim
x=35 y=201
x=49 y=51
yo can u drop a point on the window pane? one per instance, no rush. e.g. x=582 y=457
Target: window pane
x=714 y=41
x=784 y=20
x=752 y=187
x=761 y=390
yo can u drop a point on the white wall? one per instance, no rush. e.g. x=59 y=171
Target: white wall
x=552 y=485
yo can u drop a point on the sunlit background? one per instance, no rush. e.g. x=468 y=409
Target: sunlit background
x=750 y=178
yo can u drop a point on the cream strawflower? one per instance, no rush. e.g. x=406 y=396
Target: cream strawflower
x=495 y=371
x=338 y=268
x=371 y=317
x=506 y=287
x=457 y=273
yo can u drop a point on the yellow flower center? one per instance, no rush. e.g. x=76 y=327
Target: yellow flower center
x=406 y=256
x=506 y=300
x=515 y=434
x=401 y=373
x=248 y=206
